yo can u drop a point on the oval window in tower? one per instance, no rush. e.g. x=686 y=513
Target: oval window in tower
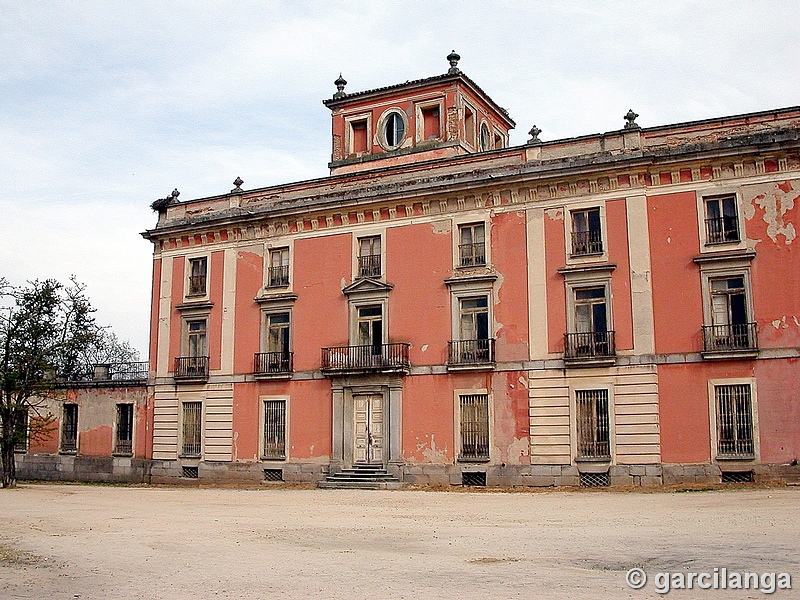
x=394 y=130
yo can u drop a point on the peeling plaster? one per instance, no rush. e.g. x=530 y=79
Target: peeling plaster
x=781 y=323
x=424 y=347
x=775 y=200
x=556 y=214
x=432 y=454
x=443 y=226
x=517 y=449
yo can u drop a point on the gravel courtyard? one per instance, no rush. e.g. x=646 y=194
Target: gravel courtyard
x=95 y=542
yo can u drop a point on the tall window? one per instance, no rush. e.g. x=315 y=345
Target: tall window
x=278 y=267
x=194 y=363
x=590 y=310
x=474 y=412
x=358 y=136
x=730 y=327
x=69 y=429
x=274 y=429
x=369 y=256
x=469 y=125
x=123 y=444
x=394 y=130
x=472 y=245
x=592 y=423
x=722 y=222
x=198 y=271
x=486 y=137
x=431 y=124
x=587 y=236
x=370 y=328
x=21 y=431
x=590 y=336
x=192 y=428
x=734 y=421
x=196 y=337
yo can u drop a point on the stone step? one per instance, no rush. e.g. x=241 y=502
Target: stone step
x=360 y=485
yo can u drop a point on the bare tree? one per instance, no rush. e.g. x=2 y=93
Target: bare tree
x=48 y=335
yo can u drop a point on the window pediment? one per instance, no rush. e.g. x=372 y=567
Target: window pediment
x=367 y=286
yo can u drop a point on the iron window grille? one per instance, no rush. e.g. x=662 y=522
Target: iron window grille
x=278 y=272
x=722 y=221
x=69 y=429
x=472 y=245
x=21 y=431
x=274 y=429
x=369 y=256
x=123 y=444
x=592 y=424
x=734 y=421
x=192 y=428
x=474 y=412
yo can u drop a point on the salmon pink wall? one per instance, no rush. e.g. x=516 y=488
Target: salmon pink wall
x=617 y=225
x=323 y=266
x=775 y=220
x=778 y=409
x=249 y=277
x=677 y=296
x=511 y=417
x=428 y=405
x=554 y=252
x=510 y=257
x=215 y=318
x=155 y=300
x=418 y=260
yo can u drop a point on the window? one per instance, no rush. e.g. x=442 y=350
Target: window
x=194 y=363
x=431 y=123
x=499 y=142
x=369 y=256
x=590 y=336
x=191 y=428
x=472 y=245
x=198 y=271
x=474 y=417
x=722 y=222
x=370 y=328
x=196 y=330
x=358 y=139
x=274 y=429
x=21 y=431
x=586 y=232
x=592 y=426
x=474 y=344
x=278 y=268
x=277 y=358
x=486 y=137
x=69 y=429
x=734 y=420
x=730 y=327
x=123 y=444
x=394 y=130
x=469 y=125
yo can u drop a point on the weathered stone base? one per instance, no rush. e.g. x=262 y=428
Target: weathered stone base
x=705 y=473
x=66 y=467
x=172 y=471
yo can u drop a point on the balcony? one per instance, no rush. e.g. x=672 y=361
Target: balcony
x=191 y=368
x=470 y=354
x=383 y=358
x=726 y=341
x=472 y=255
x=273 y=364
x=722 y=230
x=278 y=276
x=589 y=349
x=197 y=285
x=369 y=265
x=587 y=242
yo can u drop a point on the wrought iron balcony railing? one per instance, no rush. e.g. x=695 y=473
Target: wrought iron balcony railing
x=191 y=367
x=587 y=242
x=197 y=285
x=470 y=352
x=720 y=230
x=278 y=276
x=472 y=255
x=272 y=363
x=369 y=265
x=730 y=338
x=374 y=357
x=589 y=344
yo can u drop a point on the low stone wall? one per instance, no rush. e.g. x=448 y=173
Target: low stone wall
x=66 y=467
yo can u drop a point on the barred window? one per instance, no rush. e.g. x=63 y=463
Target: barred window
x=592 y=423
x=69 y=429
x=192 y=428
x=21 y=431
x=474 y=427
x=734 y=421
x=123 y=444
x=274 y=429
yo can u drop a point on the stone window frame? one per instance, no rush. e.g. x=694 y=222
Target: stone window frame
x=116 y=451
x=471 y=137
x=285 y=398
x=469 y=220
x=592 y=383
x=370 y=232
x=419 y=107
x=715 y=193
x=457 y=438
x=182 y=423
x=380 y=133
x=578 y=259
x=726 y=268
x=731 y=463
x=269 y=249
x=189 y=259
x=348 y=133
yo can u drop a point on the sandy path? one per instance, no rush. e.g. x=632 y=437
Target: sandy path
x=91 y=542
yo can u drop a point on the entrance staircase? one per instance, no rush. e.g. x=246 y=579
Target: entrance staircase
x=363 y=477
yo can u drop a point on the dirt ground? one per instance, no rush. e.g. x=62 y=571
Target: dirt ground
x=98 y=542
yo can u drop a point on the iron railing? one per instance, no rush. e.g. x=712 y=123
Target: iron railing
x=734 y=421
x=269 y=363
x=470 y=352
x=472 y=255
x=590 y=344
x=197 y=285
x=191 y=367
x=369 y=265
x=274 y=429
x=730 y=338
x=192 y=428
x=593 y=423
x=278 y=276
x=124 y=438
x=128 y=371
x=69 y=429
x=587 y=242
x=720 y=230
x=373 y=357
x=474 y=427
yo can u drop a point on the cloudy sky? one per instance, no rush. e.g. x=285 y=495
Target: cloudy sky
x=107 y=106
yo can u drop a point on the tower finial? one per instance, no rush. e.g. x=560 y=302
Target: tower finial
x=453 y=59
x=340 y=83
x=630 y=117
